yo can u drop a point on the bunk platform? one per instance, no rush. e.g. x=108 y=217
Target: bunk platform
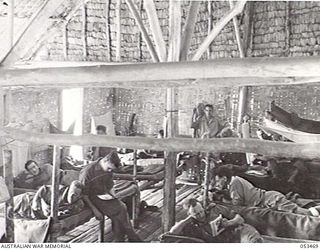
x=150 y=222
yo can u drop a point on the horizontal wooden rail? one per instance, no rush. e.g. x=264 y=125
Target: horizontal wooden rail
x=185 y=84
x=267 y=148
x=301 y=67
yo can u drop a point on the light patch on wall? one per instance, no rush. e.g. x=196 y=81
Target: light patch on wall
x=72 y=110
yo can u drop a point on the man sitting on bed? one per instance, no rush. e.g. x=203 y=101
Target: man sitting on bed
x=240 y=192
x=215 y=224
x=98 y=192
x=34 y=176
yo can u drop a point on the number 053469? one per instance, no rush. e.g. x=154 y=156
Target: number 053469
x=309 y=245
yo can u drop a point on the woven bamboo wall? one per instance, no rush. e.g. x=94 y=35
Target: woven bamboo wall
x=279 y=29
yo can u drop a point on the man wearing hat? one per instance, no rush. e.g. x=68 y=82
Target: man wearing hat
x=97 y=186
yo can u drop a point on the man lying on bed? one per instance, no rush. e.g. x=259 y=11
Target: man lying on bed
x=34 y=176
x=215 y=224
x=241 y=192
x=37 y=205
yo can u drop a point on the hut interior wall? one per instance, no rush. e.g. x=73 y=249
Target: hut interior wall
x=279 y=29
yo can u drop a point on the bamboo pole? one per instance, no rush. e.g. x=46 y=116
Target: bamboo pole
x=268 y=148
x=143 y=31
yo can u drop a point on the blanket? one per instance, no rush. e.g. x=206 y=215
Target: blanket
x=31 y=231
x=282 y=224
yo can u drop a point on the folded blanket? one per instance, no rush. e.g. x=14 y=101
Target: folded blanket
x=31 y=231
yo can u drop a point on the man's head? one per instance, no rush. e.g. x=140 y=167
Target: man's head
x=246 y=118
x=101 y=130
x=32 y=167
x=222 y=176
x=195 y=209
x=110 y=162
x=208 y=110
x=75 y=191
x=160 y=134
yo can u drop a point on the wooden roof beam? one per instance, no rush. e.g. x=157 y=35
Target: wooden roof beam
x=272 y=67
x=188 y=30
x=156 y=29
x=143 y=31
x=267 y=148
x=237 y=32
x=217 y=28
x=37 y=26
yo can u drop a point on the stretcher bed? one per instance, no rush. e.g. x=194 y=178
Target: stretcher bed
x=42 y=230
x=289 y=133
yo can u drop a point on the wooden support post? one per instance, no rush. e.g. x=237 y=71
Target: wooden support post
x=134 y=198
x=108 y=40
x=206 y=181
x=169 y=188
x=218 y=27
x=55 y=187
x=169 y=192
x=156 y=30
x=143 y=31
x=242 y=105
x=84 y=30
x=8 y=176
x=188 y=30
x=118 y=33
x=243 y=91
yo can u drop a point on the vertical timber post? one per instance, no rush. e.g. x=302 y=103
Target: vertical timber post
x=169 y=198
x=55 y=188
x=8 y=176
